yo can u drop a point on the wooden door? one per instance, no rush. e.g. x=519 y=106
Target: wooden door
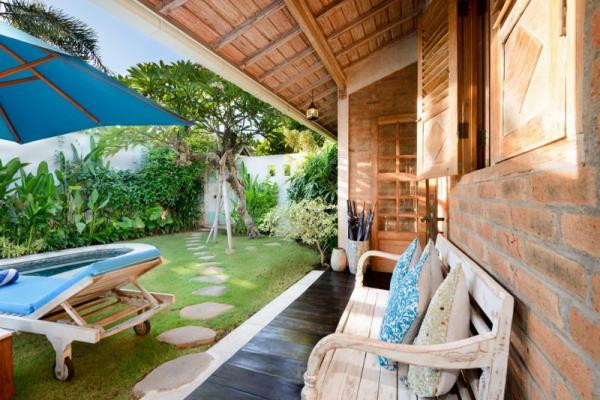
x=437 y=130
x=400 y=199
x=530 y=57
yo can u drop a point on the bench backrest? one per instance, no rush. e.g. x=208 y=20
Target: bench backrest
x=491 y=311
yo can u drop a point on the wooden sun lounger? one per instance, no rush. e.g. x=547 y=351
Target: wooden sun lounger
x=344 y=364
x=94 y=308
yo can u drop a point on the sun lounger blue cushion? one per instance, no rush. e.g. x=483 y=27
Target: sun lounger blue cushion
x=30 y=293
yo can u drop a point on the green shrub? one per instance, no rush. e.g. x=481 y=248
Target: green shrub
x=261 y=197
x=312 y=221
x=317 y=179
x=9 y=249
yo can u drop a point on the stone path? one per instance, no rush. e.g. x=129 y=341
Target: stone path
x=188 y=336
x=272 y=244
x=211 y=279
x=209 y=264
x=206 y=310
x=195 y=247
x=173 y=374
x=251 y=248
x=202 y=253
x=206 y=258
x=211 y=291
x=212 y=270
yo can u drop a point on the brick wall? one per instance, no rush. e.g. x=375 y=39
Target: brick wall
x=394 y=94
x=534 y=223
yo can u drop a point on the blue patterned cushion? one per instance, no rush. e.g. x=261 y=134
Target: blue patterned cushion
x=403 y=264
x=403 y=308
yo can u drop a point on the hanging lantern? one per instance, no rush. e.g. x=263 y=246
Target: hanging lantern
x=312 y=112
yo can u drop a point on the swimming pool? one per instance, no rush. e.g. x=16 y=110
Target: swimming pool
x=65 y=262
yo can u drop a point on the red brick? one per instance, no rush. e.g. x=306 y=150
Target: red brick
x=563 y=271
x=596 y=79
x=498 y=213
x=532 y=359
x=585 y=332
x=500 y=265
x=538 y=222
x=512 y=189
x=508 y=243
x=476 y=247
x=565 y=188
x=582 y=232
x=596 y=29
x=535 y=292
x=484 y=230
x=486 y=190
x=596 y=292
x=566 y=361
x=562 y=392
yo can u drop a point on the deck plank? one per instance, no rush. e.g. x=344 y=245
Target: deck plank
x=271 y=364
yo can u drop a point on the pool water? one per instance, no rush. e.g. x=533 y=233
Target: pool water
x=50 y=270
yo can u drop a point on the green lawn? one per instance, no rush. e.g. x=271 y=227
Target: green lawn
x=109 y=369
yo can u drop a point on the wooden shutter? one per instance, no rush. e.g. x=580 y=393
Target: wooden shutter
x=437 y=129
x=528 y=87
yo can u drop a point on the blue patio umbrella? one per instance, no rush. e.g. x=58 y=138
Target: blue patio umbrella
x=46 y=92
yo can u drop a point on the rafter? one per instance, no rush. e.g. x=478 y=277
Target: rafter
x=25 y=66
x=49 y=83
x=298 y=77
x=275 y=44
x=376 y=33
x=319 y=96
x=303 y=16
x=18 y=81
x=168 y=6
x=247 y=24
x=280 y=67
x=332 y=7
x=311 y=87
x=9 y=124
x=384 y=5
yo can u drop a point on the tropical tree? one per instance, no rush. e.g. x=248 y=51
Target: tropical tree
x=232 y=119
x=53 y=26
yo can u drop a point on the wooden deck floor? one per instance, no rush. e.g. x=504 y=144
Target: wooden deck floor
x=270 y=366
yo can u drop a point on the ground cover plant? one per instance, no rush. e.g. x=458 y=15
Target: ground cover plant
x=110 y=369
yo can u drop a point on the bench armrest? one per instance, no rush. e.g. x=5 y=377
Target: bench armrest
x=473 y=352
x=363 y=259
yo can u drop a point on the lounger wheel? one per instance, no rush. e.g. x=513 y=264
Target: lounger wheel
x=67 y=373
x=142 y=329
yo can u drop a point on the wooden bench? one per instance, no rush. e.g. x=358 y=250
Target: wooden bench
x=7 y=387
x=344 y=365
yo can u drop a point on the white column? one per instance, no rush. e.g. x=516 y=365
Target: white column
x=343 y=170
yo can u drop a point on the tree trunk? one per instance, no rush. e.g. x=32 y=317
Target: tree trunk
x=240 y=191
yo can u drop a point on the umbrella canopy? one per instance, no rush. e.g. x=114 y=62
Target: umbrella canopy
x=46 y=92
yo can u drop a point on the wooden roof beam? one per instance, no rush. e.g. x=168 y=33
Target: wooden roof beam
x=376 y=33
x=275 y=44
x=384 y=5
x=168 y=6
x=303 y=16
x=320 y=96
x=332 y=7
x=298 y=77
x=280 y=67
x=311 y=87
x=247 y=24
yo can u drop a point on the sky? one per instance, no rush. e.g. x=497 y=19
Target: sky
x=121 y=46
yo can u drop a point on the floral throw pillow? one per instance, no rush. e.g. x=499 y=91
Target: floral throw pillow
x=446 y=320
x=407 y=261
x=407 y=303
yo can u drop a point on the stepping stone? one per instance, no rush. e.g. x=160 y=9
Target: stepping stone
x=194 y=247
x=206 y=258
x=212 y=270
x=273 y=244
x=211 y=291
x=211 y=279
x=206 y=310
x=251 y=248
x=173 y=374
x=188 y=336
x=209 y=264
x=201 y=253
